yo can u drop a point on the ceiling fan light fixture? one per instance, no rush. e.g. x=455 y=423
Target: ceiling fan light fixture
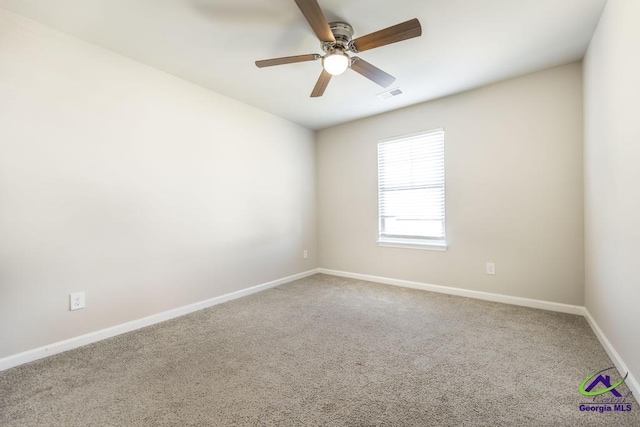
x=336 y=39
x=336 y=62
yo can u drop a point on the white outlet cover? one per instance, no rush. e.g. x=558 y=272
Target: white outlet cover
x=305 y=254
x=76 y=301
x=491 y=268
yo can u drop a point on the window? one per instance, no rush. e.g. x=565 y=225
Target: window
x=411 y=191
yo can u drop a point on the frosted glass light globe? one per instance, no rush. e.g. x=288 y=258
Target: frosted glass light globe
x=336 y=62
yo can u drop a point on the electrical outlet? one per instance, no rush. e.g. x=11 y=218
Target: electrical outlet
x=491 y=268
x=305 y=255
x=76 y=301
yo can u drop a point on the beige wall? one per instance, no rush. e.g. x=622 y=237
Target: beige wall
x=144 y=191
x=612 y=178
x=514 y=190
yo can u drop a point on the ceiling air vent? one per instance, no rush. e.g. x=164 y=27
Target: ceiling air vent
x=390 y=93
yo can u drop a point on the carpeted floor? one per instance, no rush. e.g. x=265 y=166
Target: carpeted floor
x=324 y=351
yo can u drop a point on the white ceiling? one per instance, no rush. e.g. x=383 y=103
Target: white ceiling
x=214 y=43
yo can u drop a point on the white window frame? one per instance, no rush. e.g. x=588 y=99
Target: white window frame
x=413 y=242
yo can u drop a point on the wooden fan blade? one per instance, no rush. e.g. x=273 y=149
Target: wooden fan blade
x=321 y=85
x=371 y=72
x=287 y=60
x=311 y=10
x=396 y=33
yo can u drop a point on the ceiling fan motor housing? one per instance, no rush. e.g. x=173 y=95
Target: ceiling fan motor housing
x=343 y=33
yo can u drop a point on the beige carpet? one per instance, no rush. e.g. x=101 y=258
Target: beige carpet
x=324 y=351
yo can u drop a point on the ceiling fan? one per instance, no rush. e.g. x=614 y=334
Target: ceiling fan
x=336 y=40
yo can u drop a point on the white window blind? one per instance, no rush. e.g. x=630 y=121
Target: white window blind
x=411 y=186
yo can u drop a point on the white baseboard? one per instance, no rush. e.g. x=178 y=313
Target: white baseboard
x=506 y=299
x=631 y=381
x=75 y=342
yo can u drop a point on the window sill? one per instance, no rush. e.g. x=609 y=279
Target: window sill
x=428 y=245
